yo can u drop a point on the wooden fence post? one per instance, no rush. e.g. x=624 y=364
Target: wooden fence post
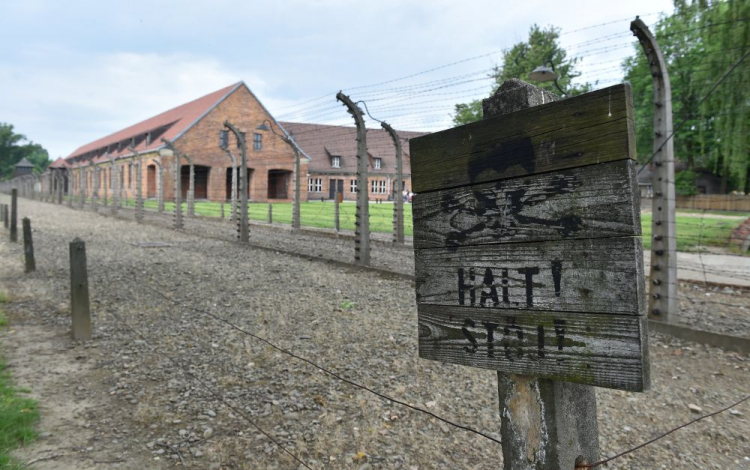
x=528 y=288
x=79 y=291
x=28 y=246
x=14 y=215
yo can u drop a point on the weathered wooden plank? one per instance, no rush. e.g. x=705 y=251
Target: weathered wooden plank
x=592 y=128
x=591 y=275
x=594 y=201
x=600 y=350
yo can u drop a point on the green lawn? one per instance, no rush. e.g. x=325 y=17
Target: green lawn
x=17 y=414
x=312 y=214
x=695 y=231
x=707 y=230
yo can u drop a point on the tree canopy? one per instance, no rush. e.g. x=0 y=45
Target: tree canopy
x=14 y=147
x=542 y=48
x=700 y=41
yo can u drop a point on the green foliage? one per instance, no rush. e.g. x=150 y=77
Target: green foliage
x=541 y=48
x=684 y=183
x=468 y=112
x=700 y=41
x=14 y=147
x=347 y=304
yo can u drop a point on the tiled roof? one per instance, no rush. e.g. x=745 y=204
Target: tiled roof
x=176 y=121
x=321 y=142
x=59 y=163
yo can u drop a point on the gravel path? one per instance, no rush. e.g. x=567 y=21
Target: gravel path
x=358 y=323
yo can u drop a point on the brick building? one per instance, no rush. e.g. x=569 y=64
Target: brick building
x=194 y=129
x=332 y=151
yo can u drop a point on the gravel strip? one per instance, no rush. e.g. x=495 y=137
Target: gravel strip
x=358 y=323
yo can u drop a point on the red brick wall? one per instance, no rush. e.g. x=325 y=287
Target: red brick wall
x=348 y=194
x=201 y=143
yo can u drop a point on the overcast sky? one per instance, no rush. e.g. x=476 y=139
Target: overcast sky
x=74 y=71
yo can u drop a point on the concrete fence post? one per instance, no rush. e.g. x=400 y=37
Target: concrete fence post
x=113 y=184
x=28 y=246
x=79 y=291
x=5 y=215
x=270 y=213
x=222 y=210
x=14 y=215
x=70 y=175
x=362 y=216
x=336 y=211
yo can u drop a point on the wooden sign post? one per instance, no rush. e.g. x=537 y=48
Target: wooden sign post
x=528 y=261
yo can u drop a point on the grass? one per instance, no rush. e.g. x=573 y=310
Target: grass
x=692 y=232
x=18 y=415
x=312 y=213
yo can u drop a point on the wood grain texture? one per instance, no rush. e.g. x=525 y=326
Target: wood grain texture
x=590 y=275
x=600 y=350
x=594 y=201
x=591 y=128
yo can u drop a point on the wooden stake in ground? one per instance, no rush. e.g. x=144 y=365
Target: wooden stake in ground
x=28 y=246
x=79 y=291
x=14 y=215
x=528 y=262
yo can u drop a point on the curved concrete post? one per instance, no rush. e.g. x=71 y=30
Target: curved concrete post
x=233 y=194
x=138 y=185
x=362 y=223
x=113 y=183
x=398 y=202
x=243 y=230
x=60 y=182
x=159 y=184
x=191 y=187
x=663 y=275
x=82 y=188
x=95 y=189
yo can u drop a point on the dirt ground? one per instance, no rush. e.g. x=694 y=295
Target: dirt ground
x=137 y=395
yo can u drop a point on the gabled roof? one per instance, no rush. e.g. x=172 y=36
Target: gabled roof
x=321 y=142
x=24 y=164
x=173 y=123
x=59 y=163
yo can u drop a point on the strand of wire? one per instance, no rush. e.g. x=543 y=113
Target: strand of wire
x=319 y=367
x=218 y=397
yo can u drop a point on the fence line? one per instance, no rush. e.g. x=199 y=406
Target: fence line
x=711 y=202
x=355 y=384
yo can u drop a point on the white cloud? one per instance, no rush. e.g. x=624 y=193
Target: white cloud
x=69 y=98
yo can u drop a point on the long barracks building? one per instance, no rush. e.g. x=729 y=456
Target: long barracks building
x=328 y=154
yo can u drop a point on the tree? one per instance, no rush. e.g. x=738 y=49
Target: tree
x=14 y=147
x=700 y=41
x=541 y=48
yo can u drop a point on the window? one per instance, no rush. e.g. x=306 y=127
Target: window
x=378 y=163
x=336 y=162
x=257 y=141
x=381 y=184
x=314 y=185
x=374 y=186
x=353 y=186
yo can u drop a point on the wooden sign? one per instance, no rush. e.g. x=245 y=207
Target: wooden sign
x=527 y=243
